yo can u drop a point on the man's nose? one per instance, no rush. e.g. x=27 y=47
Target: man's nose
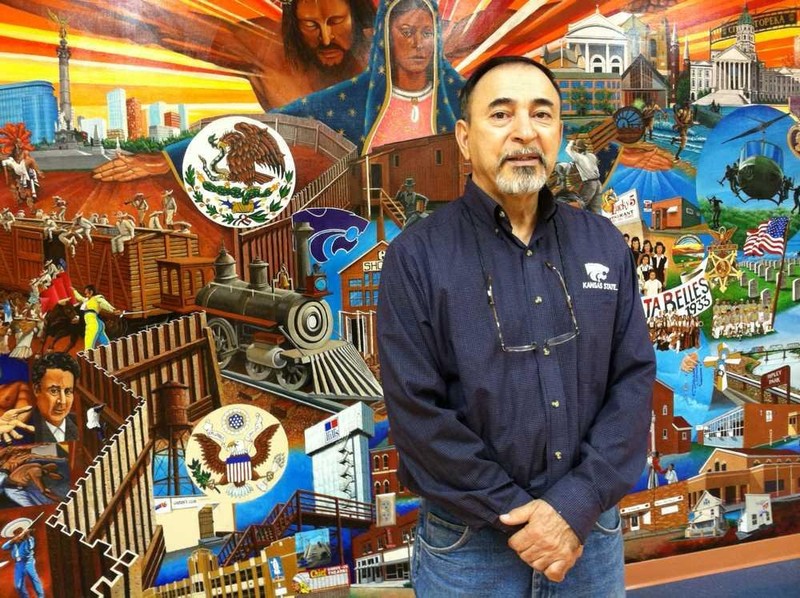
x=524 y=129
x=326 y=34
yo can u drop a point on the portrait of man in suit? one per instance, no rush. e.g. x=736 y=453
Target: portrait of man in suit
x=53 y=378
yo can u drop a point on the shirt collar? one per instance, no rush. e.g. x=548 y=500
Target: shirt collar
x=489 y=211
x=62 y=428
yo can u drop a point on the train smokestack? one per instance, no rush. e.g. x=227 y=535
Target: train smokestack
x=258 y=275
x=301 y=235
x=225 y=267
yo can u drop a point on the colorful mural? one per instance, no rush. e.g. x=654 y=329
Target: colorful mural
x=195 y=205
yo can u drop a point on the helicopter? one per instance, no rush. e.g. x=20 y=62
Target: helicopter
x=758 y=174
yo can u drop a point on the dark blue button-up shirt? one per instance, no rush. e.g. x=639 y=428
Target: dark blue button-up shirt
x=481 y=431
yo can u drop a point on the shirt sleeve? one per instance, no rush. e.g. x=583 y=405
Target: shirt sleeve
x=441 y=459
x=614 y=450
x=103 y=303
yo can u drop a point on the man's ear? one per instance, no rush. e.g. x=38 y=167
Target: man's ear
x=462 y=136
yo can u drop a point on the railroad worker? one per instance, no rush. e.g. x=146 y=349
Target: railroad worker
x=53 y=379
x=92 y=304
x=140 y=203
x=60 y=213
x=521 y=404
x=587 y=164
x=184 y=227
x=7 y=219
x=170 y=207
x=82 y=227
x=50 y=226
x=154 y=220
x=127 y=230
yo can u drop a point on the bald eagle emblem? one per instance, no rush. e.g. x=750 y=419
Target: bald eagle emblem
x=239 y=172
x=231 y=457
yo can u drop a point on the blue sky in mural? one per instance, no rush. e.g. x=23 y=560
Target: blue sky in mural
x=298 y=476
x=718 y=152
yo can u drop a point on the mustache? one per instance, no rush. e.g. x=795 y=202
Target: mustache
x=525 y=152
x=330 y=46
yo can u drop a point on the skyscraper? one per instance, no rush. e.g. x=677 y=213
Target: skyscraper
x=136 y=127
x=32 y=103
x=183 y=111
x=117 y=110
x=157 y=110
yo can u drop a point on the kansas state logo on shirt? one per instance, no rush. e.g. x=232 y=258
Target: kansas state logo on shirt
x=597 y=274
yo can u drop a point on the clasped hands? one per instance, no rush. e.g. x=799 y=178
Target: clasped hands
x=546 y=542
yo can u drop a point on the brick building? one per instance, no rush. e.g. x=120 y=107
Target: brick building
x=385 y=459
x=360 y=280
x=675 y=212
x=136 y=126
x=750 y=425
x=655 y=510
x=729 y=474
x=384 y=553
x=671 y=434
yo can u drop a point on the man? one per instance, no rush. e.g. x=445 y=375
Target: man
x=140 y=203
x=7 y=219
x=521 y=403
x=588 y=167
x=419 y=99
x=126 y=231
x=21 y=545
x=94 y=422
x=327 y=36
x=649 y=117
x=91 y=305
x=170 y=206
x=671 y=474
x=716 y=210
x=61 y=207
x=53 y=379
x=684 y=119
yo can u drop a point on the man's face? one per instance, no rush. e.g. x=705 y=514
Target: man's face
x=514 y=130
x=326 y=27
x=54 y=395
x=412 y=38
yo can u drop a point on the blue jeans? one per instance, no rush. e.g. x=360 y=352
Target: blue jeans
x=452 y=560
x=23 y=569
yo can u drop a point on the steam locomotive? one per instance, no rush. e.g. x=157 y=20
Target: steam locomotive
x=284 y=334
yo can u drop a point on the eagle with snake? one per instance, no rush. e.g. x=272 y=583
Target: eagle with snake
x=245 y=148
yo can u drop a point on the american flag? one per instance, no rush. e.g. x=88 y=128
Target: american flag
x=767 y=238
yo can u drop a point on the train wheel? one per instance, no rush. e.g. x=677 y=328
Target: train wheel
x=293 y=377
x=258 y=371
x=224 y=340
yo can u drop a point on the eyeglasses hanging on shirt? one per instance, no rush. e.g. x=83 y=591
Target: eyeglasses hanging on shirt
x=491 y=295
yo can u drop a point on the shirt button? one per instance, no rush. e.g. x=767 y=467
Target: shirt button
x=558 y=455
x=529 y=253
x=502 y=214
x=546 y=351
x=555 y=404
x=497 y=231
x=538 y=299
